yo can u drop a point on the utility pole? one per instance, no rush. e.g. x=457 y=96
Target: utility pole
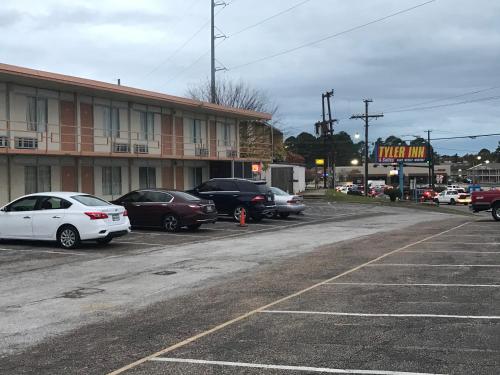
x=212 y=50
x=431 y=160
x=213 y=68
x=325 y=128
x=367 y=118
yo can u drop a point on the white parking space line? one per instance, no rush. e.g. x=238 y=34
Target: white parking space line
x=299 y=312
x=431 y=265
x=164 y=234
x=44 y=251
x=451 y=251
x=324 y=370
x=468 y=235
x=462 y=243
x=424 y=285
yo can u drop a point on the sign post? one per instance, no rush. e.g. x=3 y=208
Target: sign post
x=401 y=180
x=413 y=186
x=320 y=163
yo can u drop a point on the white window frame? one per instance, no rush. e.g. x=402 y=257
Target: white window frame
x=42 y=176
x=196 y=136
x=114 y=185
x=34 y=120
x=150 y=182
x=147 y=125
x=111 y=121
x=194 y=171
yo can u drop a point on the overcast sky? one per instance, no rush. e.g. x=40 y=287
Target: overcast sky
x=440 y=50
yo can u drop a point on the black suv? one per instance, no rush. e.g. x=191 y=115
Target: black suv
x=230 y=195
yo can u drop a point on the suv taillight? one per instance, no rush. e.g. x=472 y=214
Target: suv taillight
x=96 y=215
x=258 y=198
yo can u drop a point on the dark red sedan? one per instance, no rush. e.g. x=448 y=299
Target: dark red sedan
x=168 y=209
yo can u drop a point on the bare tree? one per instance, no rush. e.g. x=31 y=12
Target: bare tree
x=234 y=94
x=255 y=139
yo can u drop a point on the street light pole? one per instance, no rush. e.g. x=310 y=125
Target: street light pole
x=366 y=117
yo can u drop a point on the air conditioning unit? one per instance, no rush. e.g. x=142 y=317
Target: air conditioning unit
x=121 y=147
x=25 y=143
x=4 y=141
x=141 y=149
x=231 y=154
x=201 y=151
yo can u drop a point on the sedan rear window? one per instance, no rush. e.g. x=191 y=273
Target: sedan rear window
x=185 y=196
x=90 y=200
x=263 y=189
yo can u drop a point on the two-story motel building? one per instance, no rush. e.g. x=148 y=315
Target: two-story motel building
x=59 y=132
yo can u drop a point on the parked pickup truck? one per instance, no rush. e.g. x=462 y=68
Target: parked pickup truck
x=485 y=200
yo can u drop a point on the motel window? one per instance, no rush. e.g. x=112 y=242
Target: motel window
x=37 y=179
x=196 y=131
x=111 y=180
x=147 y=177
x=37 y=114
x=197 y=176
x=147 y=126
x=226 y=133
x=111 y=121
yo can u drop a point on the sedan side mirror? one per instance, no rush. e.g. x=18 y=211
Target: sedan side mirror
x=4 y=209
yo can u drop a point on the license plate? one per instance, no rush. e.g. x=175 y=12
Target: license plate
x=210 y=209
x=115 y=217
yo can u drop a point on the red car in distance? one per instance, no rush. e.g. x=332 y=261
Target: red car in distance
x=167 y=209
x=428 y=195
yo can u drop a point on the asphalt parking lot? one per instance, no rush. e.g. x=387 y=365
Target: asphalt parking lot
x=431 y=306
x=345 y=288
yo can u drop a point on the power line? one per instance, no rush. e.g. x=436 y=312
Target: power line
x=198 y=59
x=467 y=136
x=489 y=98
x=445 y=98
x=333 y=35
x=181 y=47
x=171 y=78
x=269 y=18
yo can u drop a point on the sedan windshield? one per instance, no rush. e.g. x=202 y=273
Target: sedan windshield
x=90 y=200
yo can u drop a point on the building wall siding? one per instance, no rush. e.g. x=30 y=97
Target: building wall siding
x=68 y=178
x=87 y=178
x=87 y=124
x=68 y=126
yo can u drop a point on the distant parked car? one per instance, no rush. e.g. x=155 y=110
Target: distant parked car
x=168 y=209
x=428 y=195
x=286 y=204
x=67 y=218
x=447 y=196
x=232 y=195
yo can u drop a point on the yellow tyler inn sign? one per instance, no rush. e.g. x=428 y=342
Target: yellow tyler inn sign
x=392 y=154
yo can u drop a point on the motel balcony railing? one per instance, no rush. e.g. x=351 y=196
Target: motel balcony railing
x=57 y=139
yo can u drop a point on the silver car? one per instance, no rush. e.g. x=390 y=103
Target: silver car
x=286 y=204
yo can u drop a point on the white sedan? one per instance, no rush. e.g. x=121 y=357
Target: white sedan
x=67 y=218
x=447 y=196
x=286 y=204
